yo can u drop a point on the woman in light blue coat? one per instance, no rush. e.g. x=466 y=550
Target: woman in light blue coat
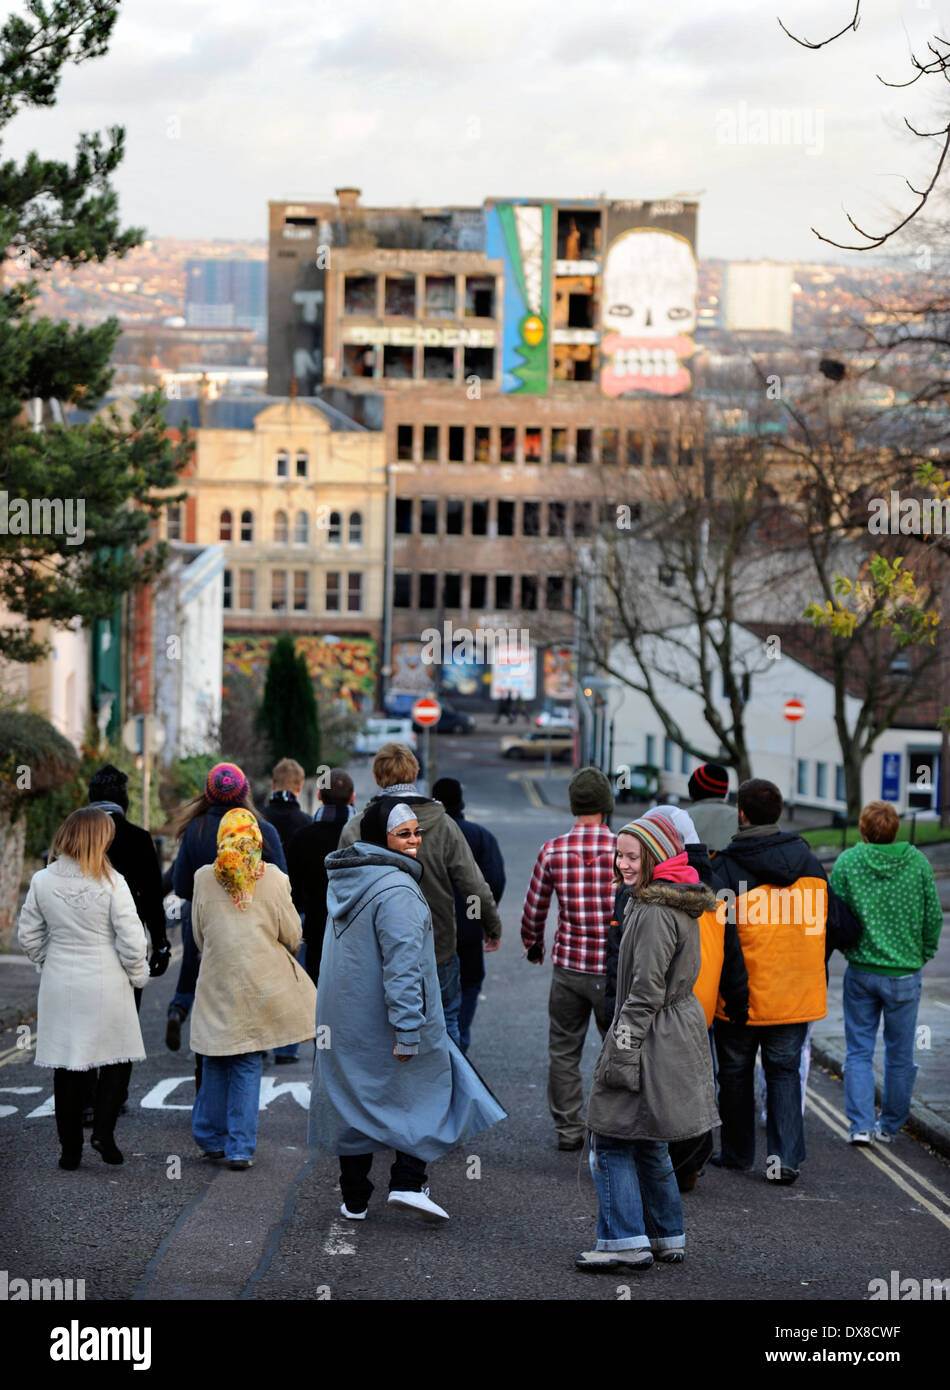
x=388 y=1076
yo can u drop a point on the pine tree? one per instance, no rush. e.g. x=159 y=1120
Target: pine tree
x=77 y=501
x=288 y=713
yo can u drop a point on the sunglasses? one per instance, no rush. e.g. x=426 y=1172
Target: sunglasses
x=407 y=834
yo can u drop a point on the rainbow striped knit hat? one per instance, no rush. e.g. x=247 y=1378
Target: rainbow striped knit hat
x=657 y=834
x=226 y=783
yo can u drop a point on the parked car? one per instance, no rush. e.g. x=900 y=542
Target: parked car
x=399 y=703
x=536 y=742
x=451 y=721
x=556 y=716
x=639 y=783
x=378 y=730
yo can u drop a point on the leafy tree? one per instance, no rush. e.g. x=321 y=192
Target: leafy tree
x=288 y=713
x=89 y=492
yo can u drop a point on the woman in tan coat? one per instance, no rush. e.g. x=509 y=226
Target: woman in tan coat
x=251 y=993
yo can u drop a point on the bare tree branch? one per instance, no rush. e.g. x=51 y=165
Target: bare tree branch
x=805 y=43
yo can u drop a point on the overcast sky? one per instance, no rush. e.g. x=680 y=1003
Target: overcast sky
x=446 y=101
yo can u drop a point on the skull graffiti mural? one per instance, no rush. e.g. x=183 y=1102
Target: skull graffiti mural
x=649 y=311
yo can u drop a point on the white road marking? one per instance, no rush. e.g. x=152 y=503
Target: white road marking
x=875 y=1158
x=886 y=1154
x=338 y=1242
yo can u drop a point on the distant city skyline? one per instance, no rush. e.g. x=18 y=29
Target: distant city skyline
x=420 y=103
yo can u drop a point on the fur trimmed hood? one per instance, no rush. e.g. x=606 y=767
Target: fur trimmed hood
x=692 y=898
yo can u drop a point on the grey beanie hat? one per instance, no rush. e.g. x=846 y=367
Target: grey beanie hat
x=590 y=792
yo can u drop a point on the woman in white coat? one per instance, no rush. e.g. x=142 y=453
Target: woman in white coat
x=80 y=928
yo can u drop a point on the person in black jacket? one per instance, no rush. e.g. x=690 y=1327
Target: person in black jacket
x=306 y=852
x=284 y=813
x=283 y=810
x=789 y=921
x=471 y=937
x=132 y=854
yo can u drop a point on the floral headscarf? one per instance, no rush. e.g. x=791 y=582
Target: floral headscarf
x=238 y=865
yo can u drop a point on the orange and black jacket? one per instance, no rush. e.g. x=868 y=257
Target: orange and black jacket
x=788 y=922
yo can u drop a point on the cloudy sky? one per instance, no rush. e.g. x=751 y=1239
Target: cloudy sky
x=446 y=101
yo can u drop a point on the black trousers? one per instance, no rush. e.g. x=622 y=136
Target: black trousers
x=70 y=1090
x=407 y=1174
x=689 y=1155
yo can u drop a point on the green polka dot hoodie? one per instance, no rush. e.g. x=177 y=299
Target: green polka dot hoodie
x=891 y=890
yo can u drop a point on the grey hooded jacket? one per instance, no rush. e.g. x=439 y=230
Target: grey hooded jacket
x=379 y=990
x=449 y=864
x=654 y=1079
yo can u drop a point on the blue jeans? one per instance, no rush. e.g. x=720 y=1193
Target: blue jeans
x=224 y=1115
x=451 y=989
x=291 y=1049
x=639 y=1205
x=736 y=1046
x=184 y=995
x=866 y=997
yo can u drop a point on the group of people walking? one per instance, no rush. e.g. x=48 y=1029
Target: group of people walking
x=696 y=951
x=270 y=904
x=696 y=936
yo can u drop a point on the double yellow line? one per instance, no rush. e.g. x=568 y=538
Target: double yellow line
x=882 y=1157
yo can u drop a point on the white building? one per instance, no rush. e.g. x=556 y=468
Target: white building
x=188 y=649
x=757 y=297
x=803 y=759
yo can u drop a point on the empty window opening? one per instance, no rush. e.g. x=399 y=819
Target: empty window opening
x=400 y=299
x=404 y=441
x=479 y=297
x=359 y=295
x=438 y=363
x=440 y=296
x=398 y=362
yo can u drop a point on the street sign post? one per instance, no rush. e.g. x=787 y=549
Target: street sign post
x=794 y=711
x=427 y=712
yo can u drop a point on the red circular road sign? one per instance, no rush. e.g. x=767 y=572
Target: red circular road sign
x=426 y=711
x=794 y=710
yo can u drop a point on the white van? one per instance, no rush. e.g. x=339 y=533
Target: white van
x=379 y=730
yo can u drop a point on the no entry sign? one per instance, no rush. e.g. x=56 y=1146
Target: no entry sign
x=794 y=710
x=426 y=711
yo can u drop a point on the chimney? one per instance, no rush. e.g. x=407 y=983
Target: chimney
x=348 y=197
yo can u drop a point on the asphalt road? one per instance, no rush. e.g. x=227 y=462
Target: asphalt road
x=166 y=1226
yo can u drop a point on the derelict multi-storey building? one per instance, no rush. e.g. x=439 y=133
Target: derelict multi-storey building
x=525 y=359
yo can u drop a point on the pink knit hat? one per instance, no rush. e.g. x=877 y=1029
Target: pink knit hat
x=226 y=783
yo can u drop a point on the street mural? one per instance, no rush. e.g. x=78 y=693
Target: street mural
x=340 y=667
x=523 y=236
x=559 y=673
x=410 y=672
x=649 y=311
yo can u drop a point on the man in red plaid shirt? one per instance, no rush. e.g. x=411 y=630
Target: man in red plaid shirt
x=578 y=867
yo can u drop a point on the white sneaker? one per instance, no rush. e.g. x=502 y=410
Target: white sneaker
x=863 y=1137
x=883 y=1138
x=352 y=1215
x=419 y=1203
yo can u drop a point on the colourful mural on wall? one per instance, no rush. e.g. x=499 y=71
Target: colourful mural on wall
x=410 y=672
x=522 y=234
x=649 y=312
x=559 y=673
x=341 y=667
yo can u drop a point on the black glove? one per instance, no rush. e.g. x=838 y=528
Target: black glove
x=158 y=961
x=535 y=953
